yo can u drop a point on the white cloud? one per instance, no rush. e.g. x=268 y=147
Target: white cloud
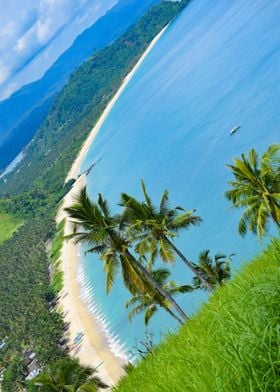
x=4 y=73
x=20 y=45
x=9 y=28
x=44 y=31
x=27 y=43
x=29 y=29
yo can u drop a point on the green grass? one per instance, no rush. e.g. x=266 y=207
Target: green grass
x=232 y=344
x=8 y=225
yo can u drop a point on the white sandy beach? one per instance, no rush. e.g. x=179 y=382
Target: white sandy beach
x=94 y=349
x=75 y=169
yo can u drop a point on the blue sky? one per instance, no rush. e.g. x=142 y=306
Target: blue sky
x=33 y=33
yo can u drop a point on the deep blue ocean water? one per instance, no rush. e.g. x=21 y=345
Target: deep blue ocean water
x=216 y=67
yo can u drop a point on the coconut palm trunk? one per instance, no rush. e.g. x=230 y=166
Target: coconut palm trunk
x=159 y=223
x=148 y=277
x=168 y=310
x=102 y=230
x=189 y=264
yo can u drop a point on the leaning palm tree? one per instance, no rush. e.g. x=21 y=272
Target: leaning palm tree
x=155 y=228
x=94 y=224
x=256 y=187
x=150 y=302
x=66 y=375
x=216 y=271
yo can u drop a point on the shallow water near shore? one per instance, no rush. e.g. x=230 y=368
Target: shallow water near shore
x=215 y=68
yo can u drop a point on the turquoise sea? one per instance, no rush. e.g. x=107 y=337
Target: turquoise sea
x=216 y=67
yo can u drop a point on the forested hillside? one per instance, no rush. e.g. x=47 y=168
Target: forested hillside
x=22 y=114
x=34 y=191
x=81 y=102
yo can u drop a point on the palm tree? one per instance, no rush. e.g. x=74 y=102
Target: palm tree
x=256 y=187
x=216 y=271
x=155 y=228
x=66 y=375
x=95 y=225
x=149 y=302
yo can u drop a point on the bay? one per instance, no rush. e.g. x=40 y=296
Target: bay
x=216 y=67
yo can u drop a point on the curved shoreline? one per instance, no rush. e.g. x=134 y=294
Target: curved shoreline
x=95 y=349
x=75 y=169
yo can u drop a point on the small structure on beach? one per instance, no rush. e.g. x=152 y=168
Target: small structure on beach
x=3 y=342
x=31 y=364
x=2 y=371
x=33 y=369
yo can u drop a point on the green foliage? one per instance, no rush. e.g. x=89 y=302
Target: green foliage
x=153 y=228
x=256 y=187
x=13 y=377
x=24 y=311
x=94 y=225
x=150 y=301
x=231 y=344
x=216 y=271
x=66 y=375
x=8 y=225
x=79 y=105
x=35 y=190
x=34 y=202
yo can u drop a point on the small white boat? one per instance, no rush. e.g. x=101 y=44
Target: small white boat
x=235 y=129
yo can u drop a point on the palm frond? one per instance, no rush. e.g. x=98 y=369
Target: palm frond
x=104 y=206
x=163 y=206
x=166 y=251
x=111 y=267
x=271 y=160
x=174 y=290
x=255 y=183
x=147 y=198
x=184 y=221
x=92 y=385
x=254 y=159
x=149 y=313
x=145 y=246
x=152 y=257
x=133 y=300
x=161 y=275
x=248 y=220
x=262 y=219
x=219 y=256
x=138 y=309
x=98 y=249
x=133 y=280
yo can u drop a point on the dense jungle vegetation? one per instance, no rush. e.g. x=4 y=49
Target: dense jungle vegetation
x=24 y=285
x=33 y=193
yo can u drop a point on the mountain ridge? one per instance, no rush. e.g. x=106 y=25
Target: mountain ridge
x=23 y=112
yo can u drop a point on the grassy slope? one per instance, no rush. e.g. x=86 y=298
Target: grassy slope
x=8 y=225
x=232 y=344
